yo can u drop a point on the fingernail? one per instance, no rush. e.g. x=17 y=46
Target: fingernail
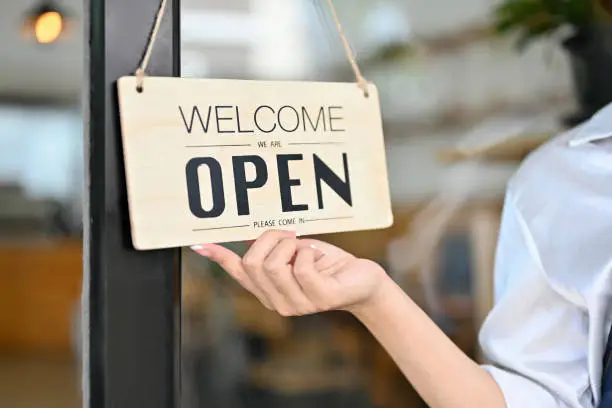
x=313 y=246
x=201 y=250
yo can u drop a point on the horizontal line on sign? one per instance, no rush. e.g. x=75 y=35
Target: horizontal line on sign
x=328 y=219
x=220 y=145
x=314 y=143
x=219 y=228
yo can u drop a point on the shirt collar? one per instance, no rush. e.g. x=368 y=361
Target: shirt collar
x=599 y=127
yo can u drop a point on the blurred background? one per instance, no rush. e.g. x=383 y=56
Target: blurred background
x=467 y=90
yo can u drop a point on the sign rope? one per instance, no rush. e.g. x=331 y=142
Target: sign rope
x=361 y=81
x=140 y=73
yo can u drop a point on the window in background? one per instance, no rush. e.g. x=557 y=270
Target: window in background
x=41 y=169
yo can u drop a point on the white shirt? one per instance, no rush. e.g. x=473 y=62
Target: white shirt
x=546 y=334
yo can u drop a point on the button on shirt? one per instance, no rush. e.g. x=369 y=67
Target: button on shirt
x=546 y=335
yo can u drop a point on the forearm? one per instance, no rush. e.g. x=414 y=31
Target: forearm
x=441 y=373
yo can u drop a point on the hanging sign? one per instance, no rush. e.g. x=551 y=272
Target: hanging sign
x=211 y=160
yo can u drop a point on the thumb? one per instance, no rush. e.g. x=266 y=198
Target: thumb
x=325 y=255
x=321 y=248
x=311 y=245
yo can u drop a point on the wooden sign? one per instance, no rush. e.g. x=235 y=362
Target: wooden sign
x=224 y=160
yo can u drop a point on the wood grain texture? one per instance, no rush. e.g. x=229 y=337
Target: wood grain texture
x=322 y=169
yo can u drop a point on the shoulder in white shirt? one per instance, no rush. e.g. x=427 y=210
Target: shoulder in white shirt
x=546 y=334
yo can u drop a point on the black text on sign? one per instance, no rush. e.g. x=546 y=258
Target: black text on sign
x=223 y=160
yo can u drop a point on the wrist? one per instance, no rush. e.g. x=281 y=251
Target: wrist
x=377 y=302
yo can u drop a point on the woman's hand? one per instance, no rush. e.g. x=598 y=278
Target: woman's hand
x=300 y=276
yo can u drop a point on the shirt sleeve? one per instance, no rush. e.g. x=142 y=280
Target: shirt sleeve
x=536 y=341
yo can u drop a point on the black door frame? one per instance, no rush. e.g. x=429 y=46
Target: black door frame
x=131 y=299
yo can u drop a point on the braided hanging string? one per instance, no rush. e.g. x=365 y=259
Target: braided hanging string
x=140 y=72
x=362 y=83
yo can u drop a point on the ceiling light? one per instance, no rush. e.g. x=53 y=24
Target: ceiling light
x=46 y=23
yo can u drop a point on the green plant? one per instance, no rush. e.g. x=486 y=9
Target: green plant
x=534 y=19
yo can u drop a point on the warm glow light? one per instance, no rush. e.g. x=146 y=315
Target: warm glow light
x=48 y=27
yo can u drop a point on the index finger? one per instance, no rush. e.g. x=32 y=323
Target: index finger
x=226 y=259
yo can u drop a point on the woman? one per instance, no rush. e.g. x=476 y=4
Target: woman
x=545 y=337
